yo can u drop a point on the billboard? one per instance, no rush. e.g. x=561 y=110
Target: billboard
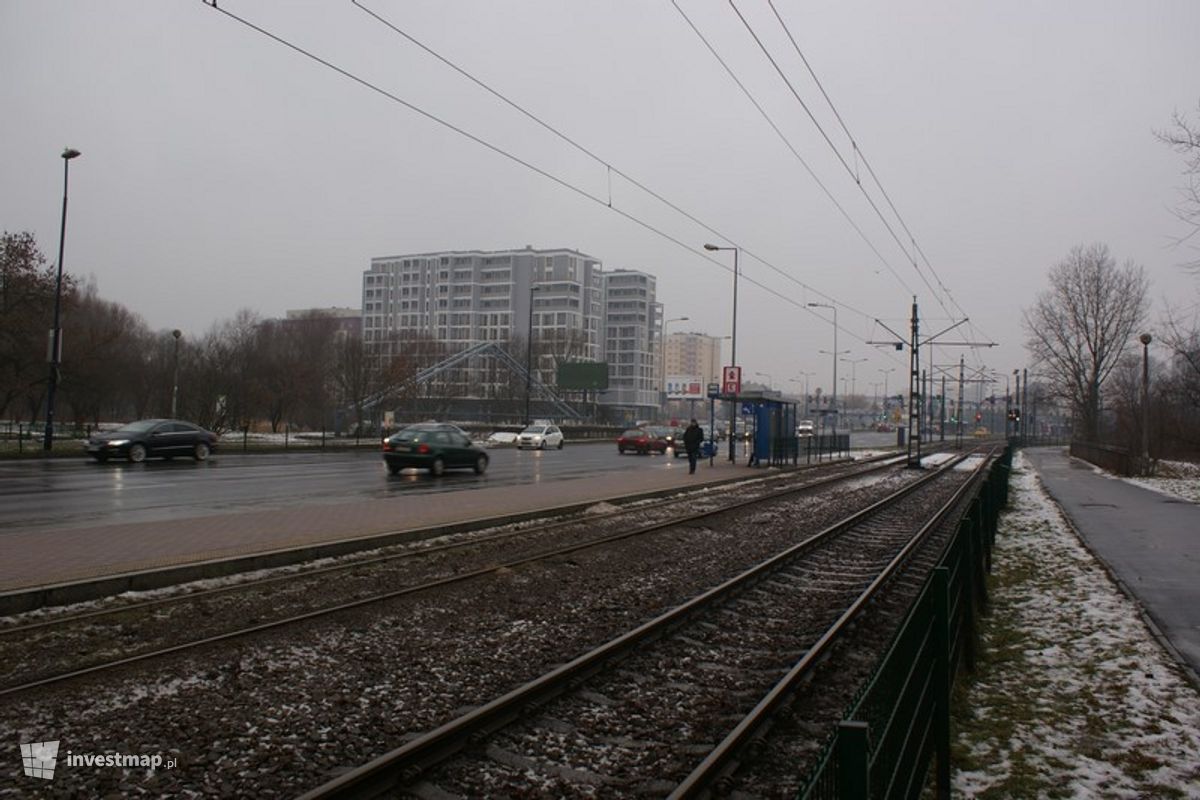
x=583 y=375
x=685 y=387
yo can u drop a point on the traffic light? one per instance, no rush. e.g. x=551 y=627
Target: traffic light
x=1016 y=415
x=1012 y=415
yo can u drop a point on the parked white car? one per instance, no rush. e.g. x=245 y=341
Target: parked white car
x=540 y=437
x=805 y=428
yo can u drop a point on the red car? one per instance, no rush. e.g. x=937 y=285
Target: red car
x=640 y=441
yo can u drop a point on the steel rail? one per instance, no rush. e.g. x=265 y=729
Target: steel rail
x=722 y=760
x=302 y=574
x=458 y=578
x=403 y=765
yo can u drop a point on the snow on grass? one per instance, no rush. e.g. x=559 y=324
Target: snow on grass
x=1174 y=478
x=1072 y=696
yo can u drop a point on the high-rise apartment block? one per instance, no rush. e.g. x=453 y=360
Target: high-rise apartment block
x=462 y=298
x=693 y=355
x=631 y=330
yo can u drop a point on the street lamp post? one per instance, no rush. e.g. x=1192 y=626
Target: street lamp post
x=803 y=375
x=662 y=382
x=885 y=384
x=854 y=362
x=175 y=381
x=835 y=354
x=732 y=349
x=56 y=332
x=529 y=357
x=1145 y=339
x=770 y=381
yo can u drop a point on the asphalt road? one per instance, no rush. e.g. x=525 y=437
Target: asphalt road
x=66 y=493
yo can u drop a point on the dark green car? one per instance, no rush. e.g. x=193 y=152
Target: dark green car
x=432 y=446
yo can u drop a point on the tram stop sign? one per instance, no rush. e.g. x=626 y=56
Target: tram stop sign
x=731 y=380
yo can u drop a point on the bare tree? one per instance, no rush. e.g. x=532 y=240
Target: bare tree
x=1081 y=326
x=103 y=375
x=1184 y=138
x=357 y=374
x=26 y=303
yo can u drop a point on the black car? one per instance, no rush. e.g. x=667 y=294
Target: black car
x=432 y=446
x=146 y=438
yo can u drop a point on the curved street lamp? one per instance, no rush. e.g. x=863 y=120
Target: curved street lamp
x=732 y=348
x=854 y=362
x=56 y=333
x=835 y=354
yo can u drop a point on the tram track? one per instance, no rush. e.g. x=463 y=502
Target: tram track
x=105 y=639
x=589 y=727
x=278 y=713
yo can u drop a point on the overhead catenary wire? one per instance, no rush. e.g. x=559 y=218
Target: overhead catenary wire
x=512 y=157
x=609 y=166
x=787 y=143
x=858 y=153
x=850 y=170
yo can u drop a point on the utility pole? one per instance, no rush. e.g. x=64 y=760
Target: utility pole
x=943 y=411
x=961 y=366
x=1017 y=406
x=914 y=397
x=1025 y=402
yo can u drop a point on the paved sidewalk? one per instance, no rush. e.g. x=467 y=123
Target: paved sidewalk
x=36 y=558
x=1151 y=542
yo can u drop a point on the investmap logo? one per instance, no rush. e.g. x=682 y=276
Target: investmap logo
x=39 y=759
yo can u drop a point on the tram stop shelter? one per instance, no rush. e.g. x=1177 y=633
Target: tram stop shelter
x=771 y=423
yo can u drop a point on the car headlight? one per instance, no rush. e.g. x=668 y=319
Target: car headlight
x=118 y=442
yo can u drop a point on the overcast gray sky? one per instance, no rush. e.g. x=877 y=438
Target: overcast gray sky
x=221 y=170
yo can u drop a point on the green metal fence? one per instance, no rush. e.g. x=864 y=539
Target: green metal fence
x=899 y=724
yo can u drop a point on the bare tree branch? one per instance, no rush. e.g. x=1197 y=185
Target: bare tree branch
x=1081 y=326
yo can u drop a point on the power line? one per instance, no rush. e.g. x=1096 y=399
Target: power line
x=836 y=152
x=790 y=147
x=500 y=151
x=598 y=159
x=859 y=153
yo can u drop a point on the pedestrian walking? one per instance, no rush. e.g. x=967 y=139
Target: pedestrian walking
x=692 y=438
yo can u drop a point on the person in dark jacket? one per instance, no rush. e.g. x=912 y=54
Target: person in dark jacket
x=692 y=438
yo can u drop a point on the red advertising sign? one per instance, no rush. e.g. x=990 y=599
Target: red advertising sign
x=731 y=380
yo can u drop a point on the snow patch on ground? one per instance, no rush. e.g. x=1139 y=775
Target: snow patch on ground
x=1180 y=479
x=1072 y=696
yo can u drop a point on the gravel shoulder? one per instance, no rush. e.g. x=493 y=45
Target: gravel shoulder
x=1072 y=695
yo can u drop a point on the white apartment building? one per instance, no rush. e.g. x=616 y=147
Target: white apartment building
x=461 y=298
x=631 y=317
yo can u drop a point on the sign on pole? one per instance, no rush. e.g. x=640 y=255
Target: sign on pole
x=684 y=387
x=731 y=380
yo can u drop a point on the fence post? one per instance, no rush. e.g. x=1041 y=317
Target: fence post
x=853 y=760
x=940 y=587
x=968 y=593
